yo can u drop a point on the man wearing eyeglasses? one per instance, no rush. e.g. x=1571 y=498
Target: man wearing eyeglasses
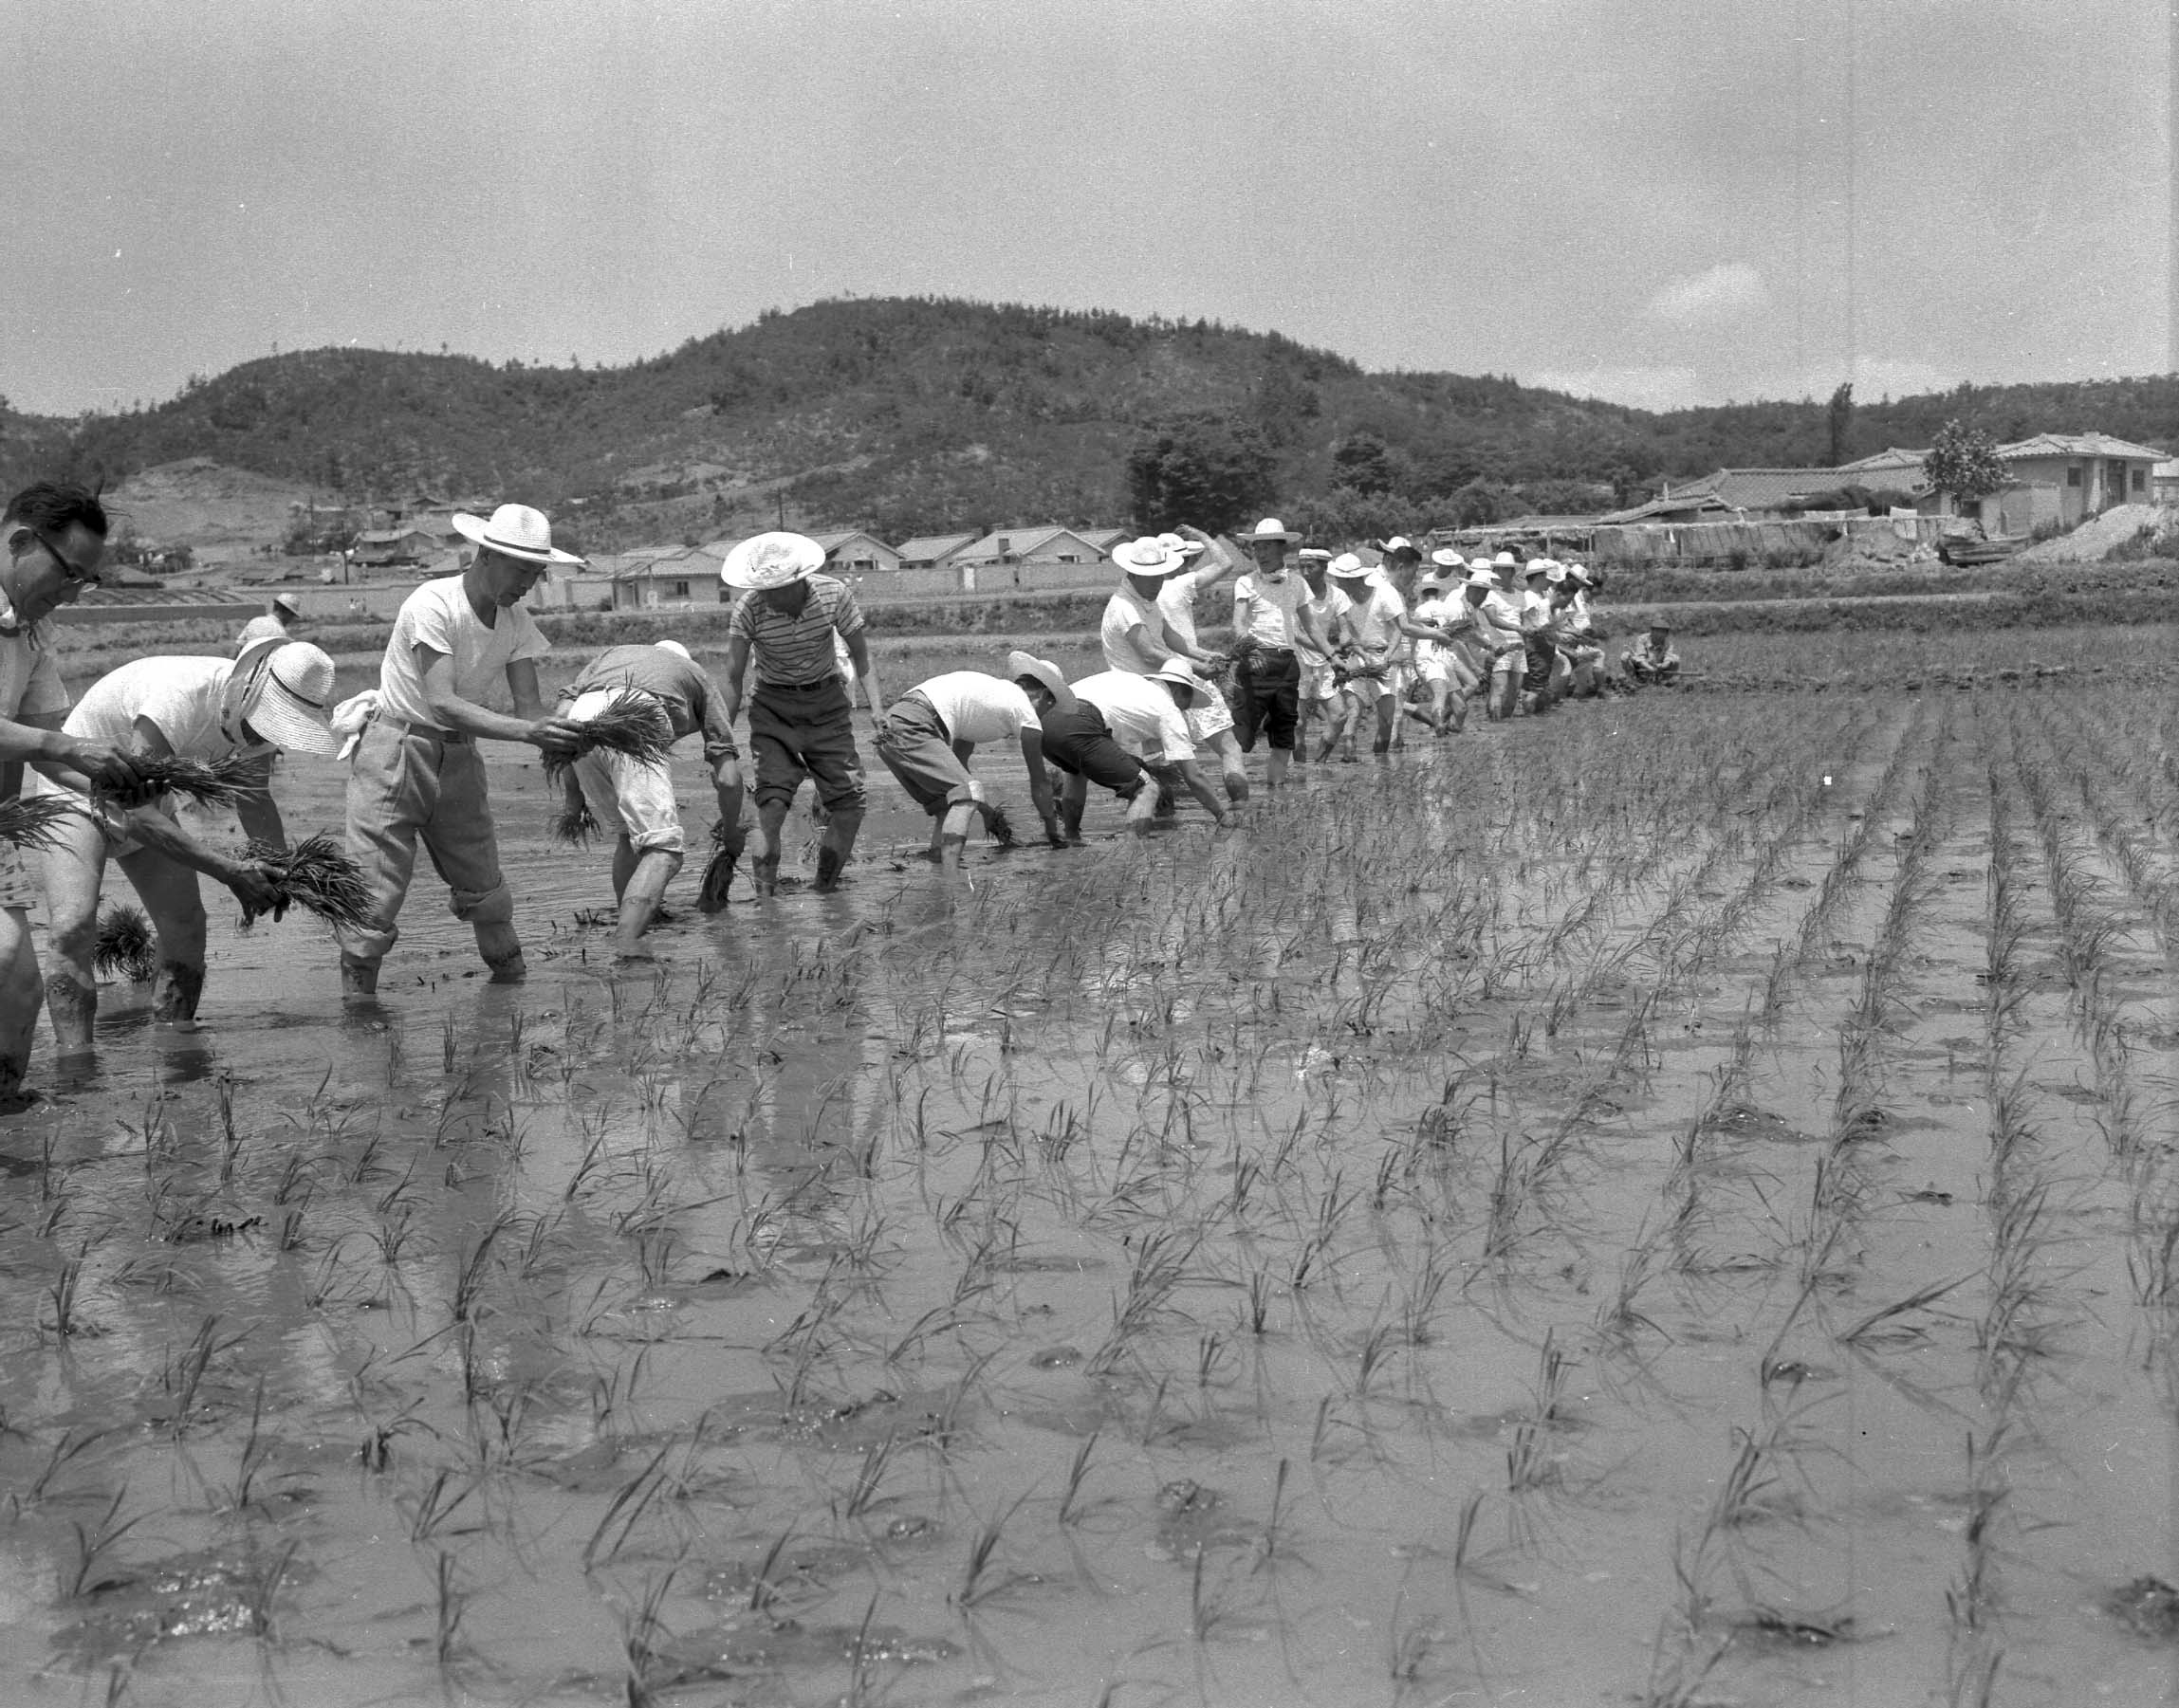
x=55 y=535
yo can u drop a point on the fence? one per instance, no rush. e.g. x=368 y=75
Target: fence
x=1809 y=542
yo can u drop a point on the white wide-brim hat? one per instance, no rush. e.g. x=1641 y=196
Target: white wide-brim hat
x=1479 y=577
x=1186 y=548
x=1575 y=573
x=1445 y=558
x=514 y=531
x=287 y=695
x=1179 y=671
x=1430 y=577
x=287 y=602
x=1043 y=671
x=1504 y=560
x=774 y=560
x=1349 y=567
x=1148 y=555
x=1270 y=528
x=1314 y=554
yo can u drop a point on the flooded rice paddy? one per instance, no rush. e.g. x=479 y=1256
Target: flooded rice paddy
x=1672 y=1202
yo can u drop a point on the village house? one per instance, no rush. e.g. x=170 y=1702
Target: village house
x=856 y=553
x=1021 y=556
x=931 y=551
x=661 y=578
x=2059 y=479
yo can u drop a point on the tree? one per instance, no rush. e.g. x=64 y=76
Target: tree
x=1202 y=469
x=1838 y=413
x=1963 y=461
x=1364 y=463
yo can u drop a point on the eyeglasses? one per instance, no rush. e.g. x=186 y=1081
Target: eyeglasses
x=70 y=573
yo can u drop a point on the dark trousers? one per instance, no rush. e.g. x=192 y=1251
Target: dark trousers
x=1268 y=698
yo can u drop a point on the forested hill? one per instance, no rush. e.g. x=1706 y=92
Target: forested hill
x=908 y=416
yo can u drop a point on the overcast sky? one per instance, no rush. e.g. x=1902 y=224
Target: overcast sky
x=1637 y=200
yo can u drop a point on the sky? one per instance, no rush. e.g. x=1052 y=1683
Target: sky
x=1641 y=200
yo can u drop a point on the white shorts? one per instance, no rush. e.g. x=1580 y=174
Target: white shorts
x=628 y=797
x=1317 y=683
x=1209 y=716
x=1432 y=669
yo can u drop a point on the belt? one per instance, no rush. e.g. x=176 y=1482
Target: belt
x=801 y=687
x=1274 y=652
x=450 y=738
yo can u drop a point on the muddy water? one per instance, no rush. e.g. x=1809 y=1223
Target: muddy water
x=1544 y=1220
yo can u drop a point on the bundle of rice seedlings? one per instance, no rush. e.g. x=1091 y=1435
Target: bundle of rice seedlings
x=31 y=820
x=574 y=824
x=632 y=723
x=125 y=946
x=719 y=874
x=315 y=874
x=213 y=783
x=1001 y=827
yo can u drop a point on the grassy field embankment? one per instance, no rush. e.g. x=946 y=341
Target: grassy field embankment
x=1697 y=602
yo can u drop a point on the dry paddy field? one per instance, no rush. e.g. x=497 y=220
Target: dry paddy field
x=1674 y=1201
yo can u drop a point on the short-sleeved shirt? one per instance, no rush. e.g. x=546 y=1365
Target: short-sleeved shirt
x=787 y=652
x=1124 y=650
x=679 y=685
x=1534 y=611
x=1499 y=617
x=1140 y=714
x=181 y=697
x=1327 y=607
x=1271 y=606
x=438 y=616
x=1376 y=617
x=1439 y=613
x=977 y=707
x=1177 y=603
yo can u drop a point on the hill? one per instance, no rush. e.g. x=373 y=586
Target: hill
x=907 y=416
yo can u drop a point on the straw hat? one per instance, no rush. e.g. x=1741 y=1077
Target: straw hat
x=1270 y=528
x=1314 y=554
x=775 y=559
x=287 y=602
x=1043 y=671
x=1539 y=566
x=1504 y=560
x=1480 y=577
x=1445 y=558
x=1350 y=568
x=1148 y=555
x=514 y=531
x=286 y=695
x=1397 y=545
x=1179 y=672
x=675 y=647
x=1186 y=548
x=1577 y=574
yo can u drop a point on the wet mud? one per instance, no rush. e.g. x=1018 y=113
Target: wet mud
x=1670 y=1202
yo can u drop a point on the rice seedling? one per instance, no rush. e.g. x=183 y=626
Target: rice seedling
x=575 y=824
x=94 y=1543
x=630 y=724
x=214 y=784
x=126 y=947
x=317 y=874
x=32 y=821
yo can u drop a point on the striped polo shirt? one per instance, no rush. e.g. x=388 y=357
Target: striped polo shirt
x=788 y=651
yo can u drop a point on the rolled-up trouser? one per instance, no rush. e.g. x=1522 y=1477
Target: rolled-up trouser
x=629 y=797
x=914 y=744
x=805 y=731
x=1268 y=701
x=405 y=787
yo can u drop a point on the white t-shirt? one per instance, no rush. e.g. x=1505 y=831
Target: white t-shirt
x=1271 y=606
x=1376 y=617
x=1439 y=613
x=1535 y=611
x=439 y=616
x=1123 y=649
x=180 y=696
x=1327 y=610
x=1176 y=604
x=979 y=708
x=1140 y=714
